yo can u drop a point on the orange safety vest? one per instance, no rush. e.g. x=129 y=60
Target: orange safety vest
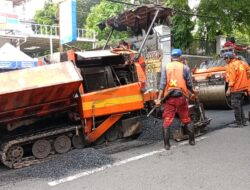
x=236 y=73
x=175 y=79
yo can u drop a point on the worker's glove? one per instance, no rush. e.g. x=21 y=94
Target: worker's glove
x=228 y=92
x=196 y=91
x=248 y=74
x=157 y=102
x=193 y=97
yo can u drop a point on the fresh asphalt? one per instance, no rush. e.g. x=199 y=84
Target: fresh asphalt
x=220 y=160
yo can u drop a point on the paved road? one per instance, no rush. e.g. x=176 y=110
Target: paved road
x=220 y=160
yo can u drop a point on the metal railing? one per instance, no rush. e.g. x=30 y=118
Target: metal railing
x=42 y=30
x=53 y=30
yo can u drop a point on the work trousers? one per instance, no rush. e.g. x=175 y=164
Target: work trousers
x=175 y=105
x=237 y=103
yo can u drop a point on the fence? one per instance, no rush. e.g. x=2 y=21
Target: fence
x=42 y=30
x=48 y=30
x=201 y=47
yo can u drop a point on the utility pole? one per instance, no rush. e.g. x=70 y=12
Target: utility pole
x=60 y=45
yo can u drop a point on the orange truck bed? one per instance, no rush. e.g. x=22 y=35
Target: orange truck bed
x=37 y=91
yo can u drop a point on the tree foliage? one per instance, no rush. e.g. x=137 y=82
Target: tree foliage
x=83 y=9
x=228 y=17
x=101 y=12
x=48 y=15
x=224 y=17
x=182 y=23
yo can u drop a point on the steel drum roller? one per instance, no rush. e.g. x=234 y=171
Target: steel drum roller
x=213 y=96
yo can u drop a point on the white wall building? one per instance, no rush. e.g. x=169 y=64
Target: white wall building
x=26 y=9
x=18 y=29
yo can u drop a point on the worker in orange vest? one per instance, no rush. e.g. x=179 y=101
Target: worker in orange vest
x=236 y=76
x=175 y=83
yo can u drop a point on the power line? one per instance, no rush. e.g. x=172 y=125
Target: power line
x=124 y=3
x=175 y=10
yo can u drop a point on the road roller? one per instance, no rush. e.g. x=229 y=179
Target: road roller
x=210 y=78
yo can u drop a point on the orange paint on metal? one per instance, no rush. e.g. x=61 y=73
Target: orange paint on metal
x=71 y=55
x=114 y=100
x=81 y=90
x=102 y=128
x=37 y=91
x=36 y=96
x=212 y=69
x=150 y=96
x=120 y=108
x=88 y=127
x=205 y=75
x=120 y=91
x=33 y=86
x=36 y=110
x=141 y=73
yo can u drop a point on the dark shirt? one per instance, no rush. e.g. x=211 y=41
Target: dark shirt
x=186 y=75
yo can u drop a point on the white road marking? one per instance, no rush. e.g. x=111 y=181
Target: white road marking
x=119 y=163
x=196 y=139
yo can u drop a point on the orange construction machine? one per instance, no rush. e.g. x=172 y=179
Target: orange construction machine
x=210 y=78
x=84 y=98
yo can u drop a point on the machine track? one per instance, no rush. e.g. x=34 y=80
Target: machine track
x=17 y=153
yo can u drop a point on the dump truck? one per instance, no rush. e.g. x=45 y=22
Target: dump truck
x=209 y=77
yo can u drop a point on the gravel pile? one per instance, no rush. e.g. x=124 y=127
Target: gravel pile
x=152 y=129
x=61 y=166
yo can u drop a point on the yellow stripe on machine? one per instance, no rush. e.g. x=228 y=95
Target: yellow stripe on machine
x=112 y=101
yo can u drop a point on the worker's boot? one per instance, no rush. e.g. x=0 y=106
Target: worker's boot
x=166 y=137
x=244 y=119
x=246 y=123
x=190 y=130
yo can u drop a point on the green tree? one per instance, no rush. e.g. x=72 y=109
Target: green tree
x=182 y=23
x=48 y=15
x=241 y=37
x=226 y=17
x=101 y=12
x=83 y=7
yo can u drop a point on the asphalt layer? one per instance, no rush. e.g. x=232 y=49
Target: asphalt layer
x=60 y=166
x=80 y=160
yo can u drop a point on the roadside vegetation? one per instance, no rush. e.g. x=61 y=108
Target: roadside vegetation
x=204 y=22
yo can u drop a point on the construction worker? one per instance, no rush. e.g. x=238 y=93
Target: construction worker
x=125 y=45
x=236 y=76
x=174 y=85
x=230 y=43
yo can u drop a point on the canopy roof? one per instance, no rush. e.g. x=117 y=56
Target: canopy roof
x=93 y=54
x=10 y=53
x=138 y=19
x=13 y=58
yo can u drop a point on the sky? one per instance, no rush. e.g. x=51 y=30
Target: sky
x=32 y=7
x=193 y=3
